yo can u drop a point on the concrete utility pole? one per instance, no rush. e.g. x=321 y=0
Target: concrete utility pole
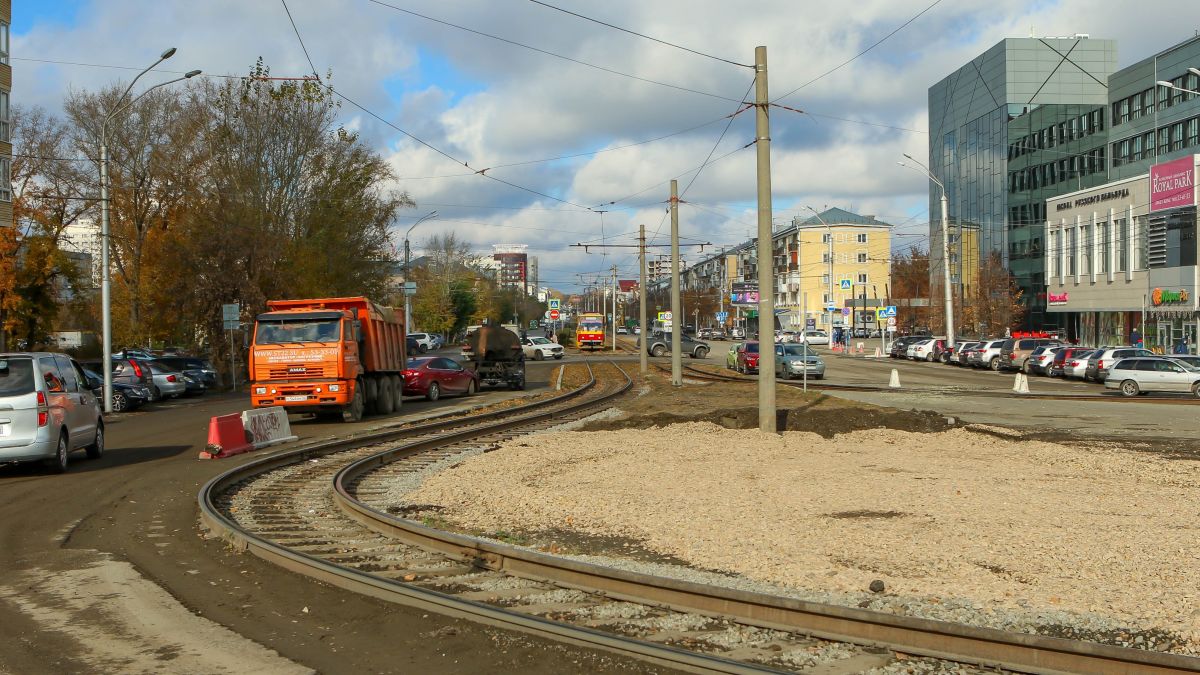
x=614 y=289
x=766 y=265
x=676 y=301
x=644 y=333
x=948 y=293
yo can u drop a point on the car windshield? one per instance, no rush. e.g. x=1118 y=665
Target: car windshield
x=16 y=376
x=298 y=330
x=539 y=341
x=797 y=350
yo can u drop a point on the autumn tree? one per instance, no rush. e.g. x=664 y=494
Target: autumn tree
x=449 y=286
x=910 y=281
x=995 y=305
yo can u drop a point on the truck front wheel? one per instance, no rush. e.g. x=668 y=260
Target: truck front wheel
x=354 y=411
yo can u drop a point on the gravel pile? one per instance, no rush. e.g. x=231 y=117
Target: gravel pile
x=1096 y=543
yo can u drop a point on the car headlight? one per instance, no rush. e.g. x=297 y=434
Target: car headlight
x=260 y=390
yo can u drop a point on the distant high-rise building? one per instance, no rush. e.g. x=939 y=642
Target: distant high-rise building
x=513 y=263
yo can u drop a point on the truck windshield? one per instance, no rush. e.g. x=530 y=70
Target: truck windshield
x=591 y=325
x=300 y=330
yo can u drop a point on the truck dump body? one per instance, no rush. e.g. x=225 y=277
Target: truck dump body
x=496 y=355
x=328 y=355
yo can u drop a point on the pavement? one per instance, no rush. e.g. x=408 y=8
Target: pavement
x=106 y=569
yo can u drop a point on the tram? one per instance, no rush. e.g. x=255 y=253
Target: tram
x=589 y=333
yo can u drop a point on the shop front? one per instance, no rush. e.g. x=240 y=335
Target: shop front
x=1172 y=316
x=1096 y=274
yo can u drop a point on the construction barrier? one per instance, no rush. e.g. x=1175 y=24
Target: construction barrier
x=1021 y=384
x=267 y=426
x=226 y=437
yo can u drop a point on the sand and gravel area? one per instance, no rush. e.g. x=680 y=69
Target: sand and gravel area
x=948 y=518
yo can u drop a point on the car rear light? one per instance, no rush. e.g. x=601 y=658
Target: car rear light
x=170 y=378
x=43 y=409
x=1100 y=365
x=137 y=370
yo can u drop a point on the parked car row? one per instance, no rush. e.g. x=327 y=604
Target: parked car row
x=138 y=380
x=1128 y=369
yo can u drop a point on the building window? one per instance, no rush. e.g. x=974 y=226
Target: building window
x=1122 y=226
x=862 y=278
x=5 y=179
x=862 y=256
x=1193 y=131
x=3 y=42
x=862 y=238
x=1102 y=254
x=1071 y=238
x=4 y=117
x=1052 y=254
x=825 y=279
x=1124 y=111
x=826 y=298
x=825 y=238
x=825 y=258
x=1176 y=136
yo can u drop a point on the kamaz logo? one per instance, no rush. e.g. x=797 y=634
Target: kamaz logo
x=297 y=369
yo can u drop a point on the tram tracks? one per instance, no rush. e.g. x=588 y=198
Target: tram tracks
x=324 y=512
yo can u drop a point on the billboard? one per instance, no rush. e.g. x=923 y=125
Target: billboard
x=745 y=294
x=1173 y=184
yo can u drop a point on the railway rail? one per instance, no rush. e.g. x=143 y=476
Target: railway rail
x=328 y=512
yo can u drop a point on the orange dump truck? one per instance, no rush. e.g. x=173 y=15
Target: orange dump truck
x=336 y=357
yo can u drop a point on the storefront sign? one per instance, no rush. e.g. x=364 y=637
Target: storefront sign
x=1094 y=199
x=1057 y=298
x=1163 y=296
x=1173 y=184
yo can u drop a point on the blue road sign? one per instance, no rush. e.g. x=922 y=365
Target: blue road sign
x=721 y=316
x=889 y=311
x=846 y=285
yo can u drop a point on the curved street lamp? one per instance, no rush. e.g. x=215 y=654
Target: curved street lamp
x=407 y=311
x=949 y=301
x=105 y=280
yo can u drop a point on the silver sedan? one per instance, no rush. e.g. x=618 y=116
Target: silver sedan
x=794 y=360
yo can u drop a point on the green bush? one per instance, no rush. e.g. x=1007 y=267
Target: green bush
x=566 y=338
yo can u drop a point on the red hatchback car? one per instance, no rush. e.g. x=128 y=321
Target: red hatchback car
x=433 y=376
x=747 y=358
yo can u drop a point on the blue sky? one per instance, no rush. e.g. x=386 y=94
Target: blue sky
x=28 y=14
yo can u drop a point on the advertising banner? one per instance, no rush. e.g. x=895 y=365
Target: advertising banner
x=1173 y=184
x=744 y=294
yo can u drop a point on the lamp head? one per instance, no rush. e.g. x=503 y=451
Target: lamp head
x=1164 y=83
x=167 y=54
x=191 y=73
x=1194 y=71
x=909 y=156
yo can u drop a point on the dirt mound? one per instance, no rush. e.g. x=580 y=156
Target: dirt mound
x=827 y=423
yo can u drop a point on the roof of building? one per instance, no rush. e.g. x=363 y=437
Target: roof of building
x=836 y=216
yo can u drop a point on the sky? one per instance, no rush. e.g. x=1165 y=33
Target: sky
x=578 y=128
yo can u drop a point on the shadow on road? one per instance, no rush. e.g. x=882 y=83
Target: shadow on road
x=113 y=457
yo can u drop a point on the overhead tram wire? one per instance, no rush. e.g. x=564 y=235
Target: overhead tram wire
x=549 y=53
x=300 y=40
x=641 y=35
x=862 y=53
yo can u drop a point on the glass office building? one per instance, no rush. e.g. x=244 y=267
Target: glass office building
x=1024 y=121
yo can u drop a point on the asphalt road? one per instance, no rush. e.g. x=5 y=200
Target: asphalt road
x=105 y=569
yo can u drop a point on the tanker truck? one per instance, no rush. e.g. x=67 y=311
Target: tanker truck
x=496 y=355
x=339 y=358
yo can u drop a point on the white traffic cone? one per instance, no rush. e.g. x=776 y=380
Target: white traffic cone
x=878 y=353
x=894 y=383
x=1021 y=384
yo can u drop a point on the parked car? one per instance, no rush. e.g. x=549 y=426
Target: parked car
x=1133 y=376
x=539 y=348
x=168 y=382
x=1075 y=366
x=747 y=357
x=814 y=337
x=737 y=333
x=424 y=341
x=1015 y=351
x=731 y=356
x=928 y=350
x=622 y=330
x=1097 y=368
x=899 y=346
x=1039 y=360
x=912 y=346
x=49 y=410
x=704 y=333
x=637 y=330
x=659 y=344
x=433 y=376
x=988 y=355
x=199 y=369
x=795 y=360
x=128 y=371
x=955 y=356
x=719 y=334
x=125 y=396
x=1190 y=360
x=1061 y=356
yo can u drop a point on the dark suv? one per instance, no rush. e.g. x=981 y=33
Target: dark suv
x=659 y=344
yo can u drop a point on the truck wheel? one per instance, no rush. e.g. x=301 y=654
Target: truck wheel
x=397 y=392
x=354 y=411
x=370 y=395
x=518 y=383
x=383 y=404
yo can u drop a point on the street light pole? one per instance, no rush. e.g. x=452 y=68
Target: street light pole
x=948 y=295
x=407 y=310
x=105 y=206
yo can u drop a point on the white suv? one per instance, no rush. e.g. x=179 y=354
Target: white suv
x=989 y=356
x=49 y=410
x=425 y=341
x=539 y=348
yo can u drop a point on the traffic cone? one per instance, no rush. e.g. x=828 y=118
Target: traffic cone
x=894 y=383
x=878 y=353
x=1021 y=384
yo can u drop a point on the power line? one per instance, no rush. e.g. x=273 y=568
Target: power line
x=549 y=53
x=856 y=56
x=300 y=39
x=632 y=32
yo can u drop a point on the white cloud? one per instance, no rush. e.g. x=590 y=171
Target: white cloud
x=489 y=103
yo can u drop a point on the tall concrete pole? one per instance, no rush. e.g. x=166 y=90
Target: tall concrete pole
x=614 y=290
x=948 y=292
x=105 y=297
x=642 y=325
x=766 y=266
x=676 y=301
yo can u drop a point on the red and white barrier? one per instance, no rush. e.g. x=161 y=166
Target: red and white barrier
x=234 y=434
